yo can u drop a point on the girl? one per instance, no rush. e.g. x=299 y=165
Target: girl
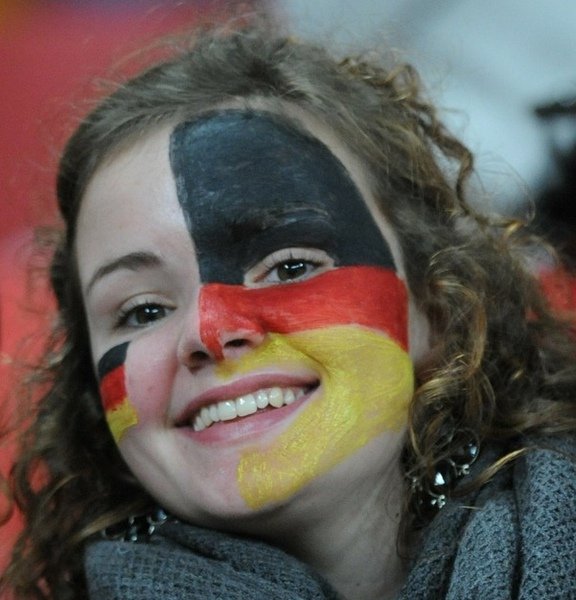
x=292 y=361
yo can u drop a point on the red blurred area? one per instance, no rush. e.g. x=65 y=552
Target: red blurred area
x=51 y=53
x=559 y=286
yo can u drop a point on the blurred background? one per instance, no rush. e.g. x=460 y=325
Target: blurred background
x=489 y=64
x=503 y=71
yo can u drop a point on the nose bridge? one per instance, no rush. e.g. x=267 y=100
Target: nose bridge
x=227 y=319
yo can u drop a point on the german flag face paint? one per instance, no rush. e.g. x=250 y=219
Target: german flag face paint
x=289 y=254
x=120 y=414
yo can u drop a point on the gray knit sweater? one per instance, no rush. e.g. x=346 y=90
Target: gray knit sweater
x=515 y=539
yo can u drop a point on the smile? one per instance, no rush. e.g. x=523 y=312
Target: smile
x=246 y=405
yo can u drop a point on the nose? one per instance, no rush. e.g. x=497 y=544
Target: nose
x=225 y=325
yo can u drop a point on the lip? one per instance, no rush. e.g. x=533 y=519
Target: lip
x=251 y=424
x=246 y=385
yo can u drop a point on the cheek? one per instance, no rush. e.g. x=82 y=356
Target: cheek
x=366 y=386
x=119 y=411
x=135 y=385
x=419 y=336
x=150 y=370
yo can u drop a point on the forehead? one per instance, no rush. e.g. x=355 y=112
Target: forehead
x=255 y=159
x=130 y=203
x=244 y=174
x=230 y=176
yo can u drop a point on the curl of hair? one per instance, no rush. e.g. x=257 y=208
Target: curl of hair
x=503 y=365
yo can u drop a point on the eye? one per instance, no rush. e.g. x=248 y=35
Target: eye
x=142 y=314
x=289 y=265
x=290 y=270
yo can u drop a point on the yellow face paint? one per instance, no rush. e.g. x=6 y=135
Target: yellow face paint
x=120 y=418
x=119 y=411
x=366 y=385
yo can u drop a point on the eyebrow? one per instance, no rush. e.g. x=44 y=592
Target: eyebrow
x=132 y=261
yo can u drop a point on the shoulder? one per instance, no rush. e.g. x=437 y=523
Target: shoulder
x=522 y=528
x=515 y=538
x=545 y=496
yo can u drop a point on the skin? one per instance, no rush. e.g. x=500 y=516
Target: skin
x=205 y=316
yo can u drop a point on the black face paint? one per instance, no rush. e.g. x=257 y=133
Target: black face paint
x=112 y=359
x=250 y=184
x=120 y=414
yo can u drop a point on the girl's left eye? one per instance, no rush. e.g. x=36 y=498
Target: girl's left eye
x=290 y=270
x=142 y=314
x=289 y=265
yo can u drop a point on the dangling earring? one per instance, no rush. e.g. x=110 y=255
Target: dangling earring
x=139 y=528
x=429 y=496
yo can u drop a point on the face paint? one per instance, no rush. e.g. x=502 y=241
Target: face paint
x=339 y=340
x=354 y=406
x=249 y=184
x=349 y=326
x=363 y=296
x=120 y=414
x=264 y=188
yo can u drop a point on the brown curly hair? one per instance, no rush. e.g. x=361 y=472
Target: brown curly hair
x=503 y=364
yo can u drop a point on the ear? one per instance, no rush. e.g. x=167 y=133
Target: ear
x=420 y=343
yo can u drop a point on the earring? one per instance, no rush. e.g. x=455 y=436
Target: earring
x=137 y=528
x=430 y=496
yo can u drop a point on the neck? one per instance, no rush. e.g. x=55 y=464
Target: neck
x=359 y=558
x=354 y=547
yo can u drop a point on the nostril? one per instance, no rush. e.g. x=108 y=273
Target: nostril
x=237 y=343
x=198 y=359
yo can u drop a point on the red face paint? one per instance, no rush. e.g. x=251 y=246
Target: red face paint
x=119 y=412
x=113 y=389
x=367 y=296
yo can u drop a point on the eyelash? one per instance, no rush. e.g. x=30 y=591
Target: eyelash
x=126 y=312
x=311 y=259
x=306 y=257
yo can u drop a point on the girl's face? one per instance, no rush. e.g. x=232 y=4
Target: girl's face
x=248 y=316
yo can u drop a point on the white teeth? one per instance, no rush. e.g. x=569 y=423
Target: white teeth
x=227 y=410
x=205 y=416
x=276 y=397
x=261 y=399
x=245 y=405
x=289 y=397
